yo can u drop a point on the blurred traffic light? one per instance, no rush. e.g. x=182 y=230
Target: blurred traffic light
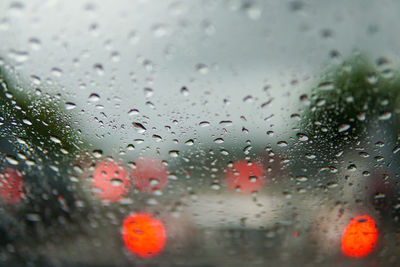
x=360 y=236
x=143 y=235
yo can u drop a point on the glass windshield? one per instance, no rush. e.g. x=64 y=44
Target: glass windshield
x=199 y=133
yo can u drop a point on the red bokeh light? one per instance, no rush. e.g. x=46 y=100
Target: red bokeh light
x=11 y=183
x=244 y=178
x=359 y=237
x=143 y=236
x=111 y=181
x=149 y=175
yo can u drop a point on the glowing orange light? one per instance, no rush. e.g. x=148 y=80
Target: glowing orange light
x=143 y=235
x=111 y=180
x=11 y=183
x=149 y=175
x=359 y=237
x=244 y=178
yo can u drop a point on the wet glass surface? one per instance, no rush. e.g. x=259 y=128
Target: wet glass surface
x=199 y=133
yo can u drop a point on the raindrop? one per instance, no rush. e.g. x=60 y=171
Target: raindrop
x=150 y=104
x=99 y=69
x=189 y=142
x=160 y=30
x=148 y=65
x=154 y=182
x=302 y=178
x=282 y=144
x=225 y=123
x=343 y=128
x=35 y=43
x=204 y=124
x=133 y=112
x=361 y=116
x=11 y=160
x=139 y=127
x=55 y=140
x=224 y=152
x=310 y=156
x=252 y=11
x=70 y=105
x=115 y=56
x=216 y=186
x=352 y=167
x=157 y=138
x=27 y=122
x=97 y=153
x=202 y=68
x=148 y=92
x=173 y=153
x=326 y=86
x=133 y=37
x=19 y=56
x=253 y=179
x=218 y=140
x=385 y=116
x=94 y=97
x=56 y=72
x=302 y=137
x=247 y=149
x=372 y=78
x=184 y=91
x=116 y=182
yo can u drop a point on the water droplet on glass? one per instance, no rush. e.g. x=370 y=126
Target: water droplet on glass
x=343 y=128
x=184 y=91
x=202 y=68
x=19 y=56
x=139 y=127
x=157 y=138
x=133 y=112
x=70 y=105
x=302 y=178
x=94 y=97
x=352 y=167
x=189 y=142
x=282 y=144
x=215 y=186
x=302 y=137
x=11 y=160
x=27 y=122
x=55 y=140
x=225 y=123
x=99 y=69
x=97 y=153
x=173 y=153
x=252 y=11
x=56 y=72
x=160 y=30
x=35 y=43
x=326 y=86
x=385 y=116
x=204 y=124
x=224 y=152
x=116 y=182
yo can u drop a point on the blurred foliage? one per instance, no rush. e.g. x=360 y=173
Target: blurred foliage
x=36 y=122
x=351 y=98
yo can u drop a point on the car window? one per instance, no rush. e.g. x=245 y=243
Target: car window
x=199 y=133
